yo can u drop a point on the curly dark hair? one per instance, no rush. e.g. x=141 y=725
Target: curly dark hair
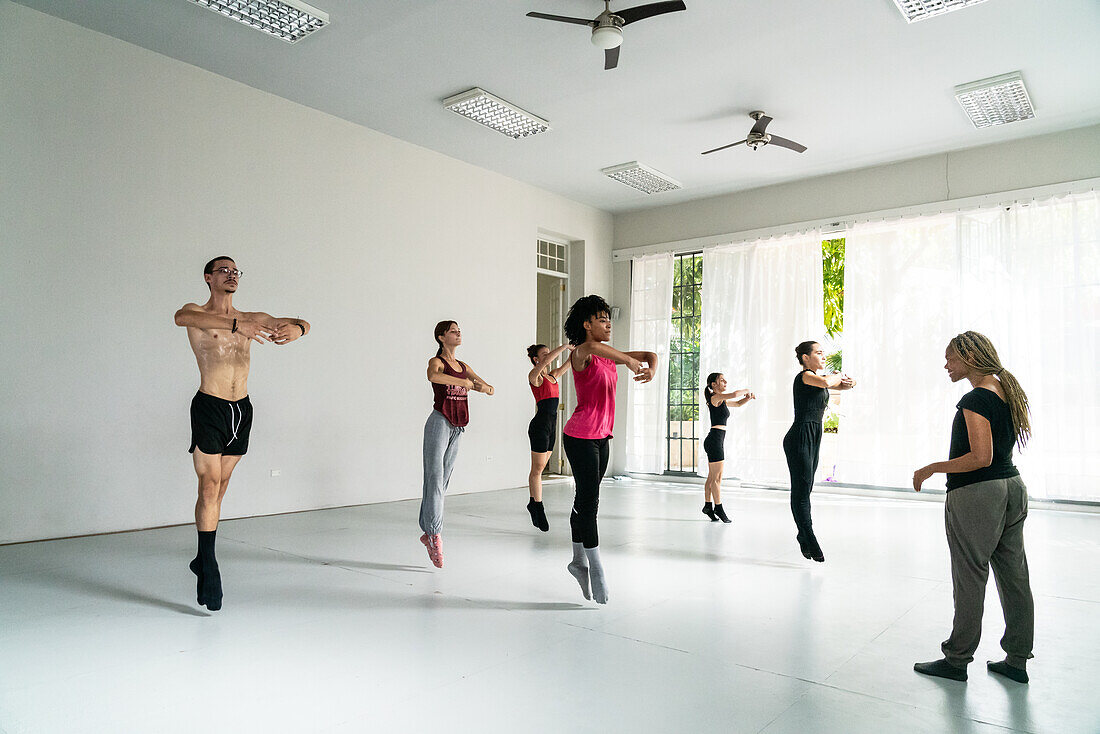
x=584 y=309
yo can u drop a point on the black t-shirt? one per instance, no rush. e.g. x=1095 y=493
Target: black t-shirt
x=988 y=405
x=809 y=401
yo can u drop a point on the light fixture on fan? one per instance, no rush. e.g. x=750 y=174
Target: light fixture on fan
x=607 y=36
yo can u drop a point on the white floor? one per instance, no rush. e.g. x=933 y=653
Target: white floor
x=334 y=621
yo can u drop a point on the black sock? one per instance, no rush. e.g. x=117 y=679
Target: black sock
x=720 y=513
x=210 y=579
x=1009 y=671
x=708 y=510
x=538 y=515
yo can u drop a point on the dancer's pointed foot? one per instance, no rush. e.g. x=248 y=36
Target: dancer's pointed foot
x=803 y=547
x=434 y=544
x=596 y=575
x=538 y=515
x=196 y=568
x=1008 y=671
x=720 y=513
x=210 y=588
x=580 y=573
x=941 y=669
x=708 y=510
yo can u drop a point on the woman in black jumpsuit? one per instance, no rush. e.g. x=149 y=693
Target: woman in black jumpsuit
x=802 y=444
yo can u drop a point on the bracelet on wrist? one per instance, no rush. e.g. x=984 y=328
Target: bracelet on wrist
x=302 y=328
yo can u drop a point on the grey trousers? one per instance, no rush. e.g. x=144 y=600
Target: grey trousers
x=440 y=451
x=985 y=526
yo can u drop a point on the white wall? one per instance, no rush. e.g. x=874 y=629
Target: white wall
x=122 y=172
x=1046 y=159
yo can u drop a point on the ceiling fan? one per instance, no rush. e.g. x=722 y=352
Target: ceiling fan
x=607 y=27
x=757 y=137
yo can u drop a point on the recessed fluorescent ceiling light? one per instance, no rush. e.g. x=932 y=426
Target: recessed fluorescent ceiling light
x=995 y=101
x=492 y=111
x=640 y=177
x=915 y=10
x=289 y=20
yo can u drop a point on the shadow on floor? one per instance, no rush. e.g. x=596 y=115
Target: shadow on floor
x=98 y=587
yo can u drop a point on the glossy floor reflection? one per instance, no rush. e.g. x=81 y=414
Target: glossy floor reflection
x=335 y=621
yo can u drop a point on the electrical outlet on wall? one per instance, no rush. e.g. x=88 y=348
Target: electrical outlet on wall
x=276 y=472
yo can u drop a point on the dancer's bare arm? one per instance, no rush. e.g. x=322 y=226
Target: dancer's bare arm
x=286 y=329
x=737 y=398
x=439 y=377
x=979 y=457
x=632 y=360
x=536 y=371
x=192 y=315
x=835 y=381
x=479 y=384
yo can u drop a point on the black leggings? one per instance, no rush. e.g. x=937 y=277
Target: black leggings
x=802 y=445
x=588 y=457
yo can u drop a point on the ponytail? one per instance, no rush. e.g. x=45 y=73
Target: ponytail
x=711 y=379
x=441 y=329
x=977 y=352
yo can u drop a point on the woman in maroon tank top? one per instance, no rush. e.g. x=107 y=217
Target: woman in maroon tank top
x=543 y=429
x=451 y=381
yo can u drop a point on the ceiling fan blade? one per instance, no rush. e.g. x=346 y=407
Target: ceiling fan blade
x=761 y=125
x=563 y=19
x=715 y=150
x=641 y=12
x=611 y=58
x=784 y=143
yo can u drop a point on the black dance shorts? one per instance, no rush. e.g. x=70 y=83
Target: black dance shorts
x=543 y=429
x=220 y=426
x=715 y=445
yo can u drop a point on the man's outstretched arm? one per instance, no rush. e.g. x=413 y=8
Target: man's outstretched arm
x=192 y=315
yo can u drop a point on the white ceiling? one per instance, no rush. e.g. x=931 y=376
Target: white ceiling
x=848 y=78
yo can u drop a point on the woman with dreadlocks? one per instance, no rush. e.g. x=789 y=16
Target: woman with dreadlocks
x=985 y=510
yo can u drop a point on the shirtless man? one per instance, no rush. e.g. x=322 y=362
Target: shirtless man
x=221 y=414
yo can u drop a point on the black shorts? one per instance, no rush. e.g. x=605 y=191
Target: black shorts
x=543 y=429
x=715 y=445
x=220 y=426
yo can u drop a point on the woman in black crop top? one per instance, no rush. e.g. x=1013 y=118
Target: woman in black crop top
x=802 y=444
x=718 y=402
x=985 y=510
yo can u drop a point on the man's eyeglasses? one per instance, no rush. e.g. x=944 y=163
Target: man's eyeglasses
x=228 y=271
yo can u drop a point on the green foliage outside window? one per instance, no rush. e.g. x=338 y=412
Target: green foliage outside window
x=832 y=262
x=687 y=309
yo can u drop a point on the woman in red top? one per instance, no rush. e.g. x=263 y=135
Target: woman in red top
x=588 y=328
x=543 y=428
x=451 y=380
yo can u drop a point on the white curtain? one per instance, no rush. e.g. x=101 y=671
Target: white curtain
x=1027 y=276
x=760 y=299
x=650 y=330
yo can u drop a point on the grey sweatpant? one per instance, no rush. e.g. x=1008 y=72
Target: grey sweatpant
x=440 y=452
x=985 y=525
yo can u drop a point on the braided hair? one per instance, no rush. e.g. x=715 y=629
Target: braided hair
x=976 y=351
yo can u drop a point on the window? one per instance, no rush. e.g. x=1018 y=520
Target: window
x=552 y=256
x=683 y=363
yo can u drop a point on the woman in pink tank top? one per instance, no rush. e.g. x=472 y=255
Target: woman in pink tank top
x=543 y=429
x=451 y=381
x=595 y=375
